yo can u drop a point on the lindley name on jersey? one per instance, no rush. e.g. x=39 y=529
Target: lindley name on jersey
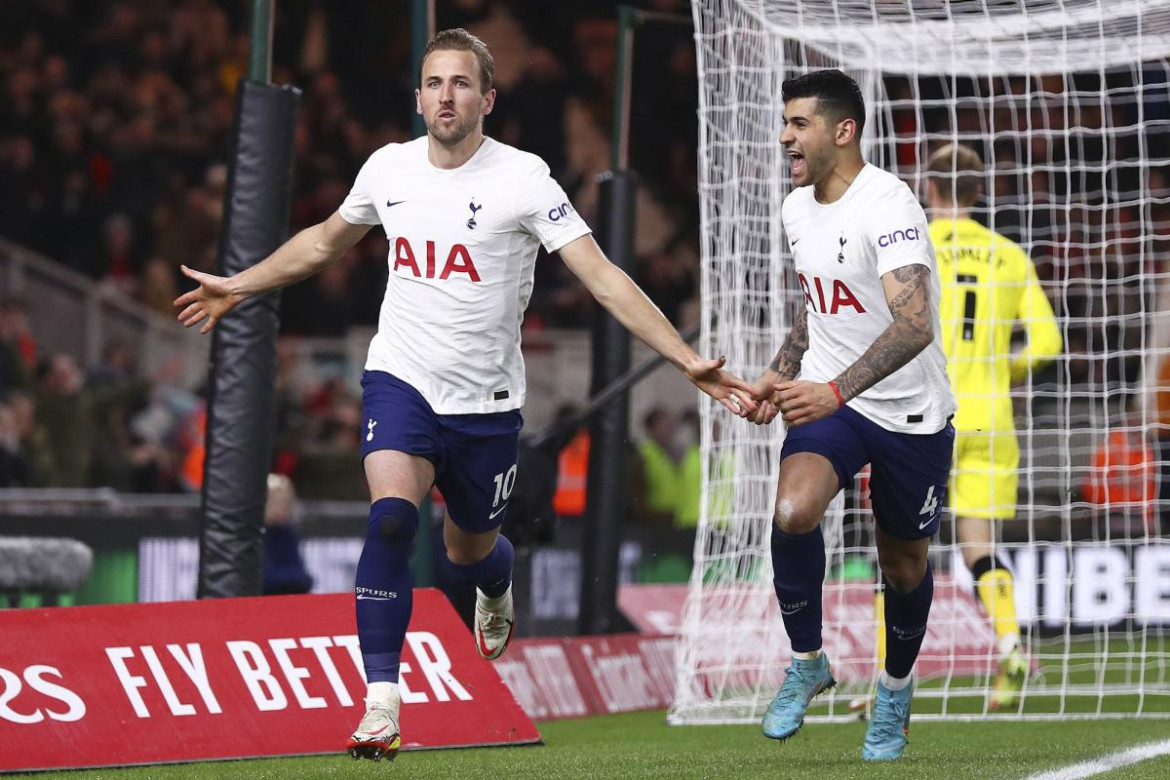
x=842 y=296
x=458 y=260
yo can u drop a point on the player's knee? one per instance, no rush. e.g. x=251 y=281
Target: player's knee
x=394 y=524
x=468 y=549
x=901 y=570
x=795 y=517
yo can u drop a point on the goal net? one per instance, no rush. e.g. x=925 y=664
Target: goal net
x=1067 y=103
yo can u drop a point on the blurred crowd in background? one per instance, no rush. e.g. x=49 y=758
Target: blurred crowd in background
x=116 y=122
x=115 y=127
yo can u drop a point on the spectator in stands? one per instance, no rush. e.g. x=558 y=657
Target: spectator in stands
x=33 y=440
x=284 y=568
x=572 y=469
x=116 y=369
x=117 y=258
x=655 y=479
x=123 y=460
x=18 y=348
x=690 y=474
x=158 y=289
x=720 y=492
x=1123 y=480
x=14 y=469
x=68 y=418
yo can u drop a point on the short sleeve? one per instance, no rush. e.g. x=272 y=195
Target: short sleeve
x=358 y=207
x=543 y=209
x=898 y=230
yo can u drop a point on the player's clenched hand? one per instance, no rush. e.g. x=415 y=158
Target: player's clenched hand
x=734 y=393
x=803 y=402
x=212 y=299
x=762 y=392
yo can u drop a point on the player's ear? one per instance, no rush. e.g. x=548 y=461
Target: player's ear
x=418 y=102
x=489 y=101
x=846 y=131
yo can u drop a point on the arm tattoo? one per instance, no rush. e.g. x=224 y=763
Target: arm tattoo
x=910 y=333
x=787 y=360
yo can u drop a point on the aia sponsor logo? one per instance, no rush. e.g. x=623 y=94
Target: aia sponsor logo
x=832 y=295
x=458 y=261
x=909 y=234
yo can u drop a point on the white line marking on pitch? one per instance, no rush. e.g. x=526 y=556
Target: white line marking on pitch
x=1106 y=763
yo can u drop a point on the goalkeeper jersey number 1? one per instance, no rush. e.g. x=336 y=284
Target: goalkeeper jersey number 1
x=989 y=286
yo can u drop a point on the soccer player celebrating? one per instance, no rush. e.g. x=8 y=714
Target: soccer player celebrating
x=444 y=380
x=872 y=388
x=989 y=286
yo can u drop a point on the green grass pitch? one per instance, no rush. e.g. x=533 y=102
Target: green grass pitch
x=641 y=745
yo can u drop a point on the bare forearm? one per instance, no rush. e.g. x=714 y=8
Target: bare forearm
x=894 y=348
x=614 y=290
x=786 y=364
x=912 y=330
x=300 y=257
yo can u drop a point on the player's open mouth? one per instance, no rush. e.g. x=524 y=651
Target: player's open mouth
x=446 y=115
x=796 y=160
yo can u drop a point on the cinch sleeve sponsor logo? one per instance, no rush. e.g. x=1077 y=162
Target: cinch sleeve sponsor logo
x=558 y=212
x=909 y=234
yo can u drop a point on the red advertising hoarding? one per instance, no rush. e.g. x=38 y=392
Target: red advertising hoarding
x=231 y=678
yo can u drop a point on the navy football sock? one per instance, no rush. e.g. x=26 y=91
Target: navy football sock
x=384 y=589
x=906 y=615
x=493 y=574
x=798 y=566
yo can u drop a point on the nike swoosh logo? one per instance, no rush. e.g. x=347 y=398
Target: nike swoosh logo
x=794 y=241
x=483 y=648
x=390 y=203
x=492 y=516
x=364 y=597
x=923 y=525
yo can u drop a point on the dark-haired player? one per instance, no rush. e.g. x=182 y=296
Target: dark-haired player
x=860 y=379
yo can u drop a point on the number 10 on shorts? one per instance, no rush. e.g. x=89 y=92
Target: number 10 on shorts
x=505 y=481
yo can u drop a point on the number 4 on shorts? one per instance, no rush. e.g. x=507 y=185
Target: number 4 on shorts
x=930 y=504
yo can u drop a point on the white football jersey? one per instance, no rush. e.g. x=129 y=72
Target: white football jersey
x=463 y=247
x=841 y=251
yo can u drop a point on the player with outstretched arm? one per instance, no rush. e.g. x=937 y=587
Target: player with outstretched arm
x=444 y=380
x=859 y=379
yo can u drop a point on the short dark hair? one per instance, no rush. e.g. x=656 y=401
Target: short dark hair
x=838 y=96
x=458 y=39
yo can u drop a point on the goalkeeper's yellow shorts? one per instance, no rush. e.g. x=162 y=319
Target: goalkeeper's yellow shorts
x=985 y=477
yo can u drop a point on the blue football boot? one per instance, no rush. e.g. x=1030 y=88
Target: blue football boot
x=803 y=680
x=889 y=726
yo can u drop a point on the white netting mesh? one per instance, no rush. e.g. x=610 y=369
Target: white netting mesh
x=1067 y=102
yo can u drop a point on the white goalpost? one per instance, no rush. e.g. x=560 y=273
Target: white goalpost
x=1067 y=102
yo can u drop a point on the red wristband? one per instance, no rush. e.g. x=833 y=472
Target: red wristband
x=837 y=392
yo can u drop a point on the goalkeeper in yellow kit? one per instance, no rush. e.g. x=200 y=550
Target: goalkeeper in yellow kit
x=989 y=286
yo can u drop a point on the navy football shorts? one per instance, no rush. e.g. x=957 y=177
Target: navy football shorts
x=474 y=454
x=908 y=474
